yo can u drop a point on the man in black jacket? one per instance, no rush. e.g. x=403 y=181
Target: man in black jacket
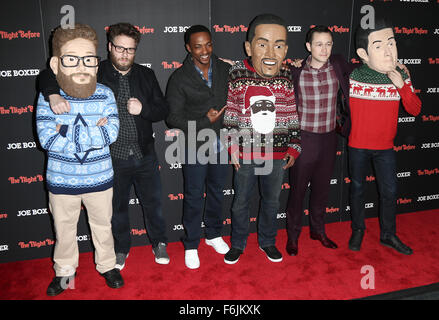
x=140 y=102
x=197 y=94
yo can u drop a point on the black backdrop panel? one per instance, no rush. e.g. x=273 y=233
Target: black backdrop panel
x=26 y=230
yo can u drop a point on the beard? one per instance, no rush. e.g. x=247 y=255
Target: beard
x=74 y=89
x=119 y=66
x=263 y=123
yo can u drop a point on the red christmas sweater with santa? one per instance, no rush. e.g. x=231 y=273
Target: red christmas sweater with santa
x=261 y=118
x=374 y=103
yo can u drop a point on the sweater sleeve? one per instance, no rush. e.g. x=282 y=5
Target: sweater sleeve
x=410 y=101
x=294 y=146
x=231 y=120
x=47 y=83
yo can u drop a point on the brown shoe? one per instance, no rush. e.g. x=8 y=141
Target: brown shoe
x=326 y=242
x=292 y=247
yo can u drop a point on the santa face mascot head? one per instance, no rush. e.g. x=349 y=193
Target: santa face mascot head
x=261 y=102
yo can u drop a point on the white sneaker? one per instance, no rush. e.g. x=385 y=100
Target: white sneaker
x=218 y=244
x=191 y=259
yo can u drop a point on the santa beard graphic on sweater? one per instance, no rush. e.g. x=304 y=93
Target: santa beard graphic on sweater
x=261 y=102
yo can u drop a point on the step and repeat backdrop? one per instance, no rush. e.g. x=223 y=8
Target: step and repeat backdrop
x=26 y=226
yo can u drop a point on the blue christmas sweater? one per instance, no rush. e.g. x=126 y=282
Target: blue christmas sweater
x=79 y=158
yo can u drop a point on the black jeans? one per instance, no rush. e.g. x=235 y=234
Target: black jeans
x=384 y=162
x=144 y=174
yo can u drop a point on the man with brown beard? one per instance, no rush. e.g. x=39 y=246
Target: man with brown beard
x=79 y=166
x=140 y=102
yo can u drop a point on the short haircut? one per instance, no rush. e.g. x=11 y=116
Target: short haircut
x=265 y=18
x=320 y=29
x=195 y=29
x=61 y=36
x=362 y=35
x=125 y=29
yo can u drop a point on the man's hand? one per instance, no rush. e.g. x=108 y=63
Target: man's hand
x=396 y=78
x=290 y=162
x=403 y=67
x=214 y=115
x=102 y=122
x=231 y=62
x=58 y=104
x=297 y=63
x=134 y=106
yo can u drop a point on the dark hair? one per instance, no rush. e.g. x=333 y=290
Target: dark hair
x=194 y=29
x=362 y=35
x=320 y=29
x=61 y=36
x=266 y=18
x=123 y=28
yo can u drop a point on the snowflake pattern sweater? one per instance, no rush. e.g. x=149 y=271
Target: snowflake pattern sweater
x=261 y=116
x=79 y=158
x=374 y=103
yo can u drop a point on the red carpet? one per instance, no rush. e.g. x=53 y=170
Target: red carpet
x=317 y=273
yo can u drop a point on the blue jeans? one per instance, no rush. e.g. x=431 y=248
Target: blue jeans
x=198 y=179
x=384 y=163
x=244 y=182
x=144 y=174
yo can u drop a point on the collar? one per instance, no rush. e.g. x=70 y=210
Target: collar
x=308 y=66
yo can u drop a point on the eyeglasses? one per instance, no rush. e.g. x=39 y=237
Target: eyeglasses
x=70 y=61
x=121 y=49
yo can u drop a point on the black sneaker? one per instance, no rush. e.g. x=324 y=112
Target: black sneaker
x=272 y=253
x=232 y=256
x=394 y=243
x=58 y=285
x=113 y=278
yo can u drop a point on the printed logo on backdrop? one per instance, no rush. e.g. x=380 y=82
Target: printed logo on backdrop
x=36 y=243
x=410 y=61
x=334 y=28
x=21 y=145
x=143 y=30
x=430 y=118
x=410 y=30
x=171 y=65
x=294 y=28
x=32 y=212
x=16 y=110
x=327 y=210
x=19 y=73
x=404 y=147
x=19 y=34
x=229 y=29
x=433 y=60
x=26 y=180
x=48 y=242
x=402 y=201
x=175 y=29
x=428 y=172
x=430 y=145
x=428 y=197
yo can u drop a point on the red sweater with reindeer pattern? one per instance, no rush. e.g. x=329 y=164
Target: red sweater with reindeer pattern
x=374 y=104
